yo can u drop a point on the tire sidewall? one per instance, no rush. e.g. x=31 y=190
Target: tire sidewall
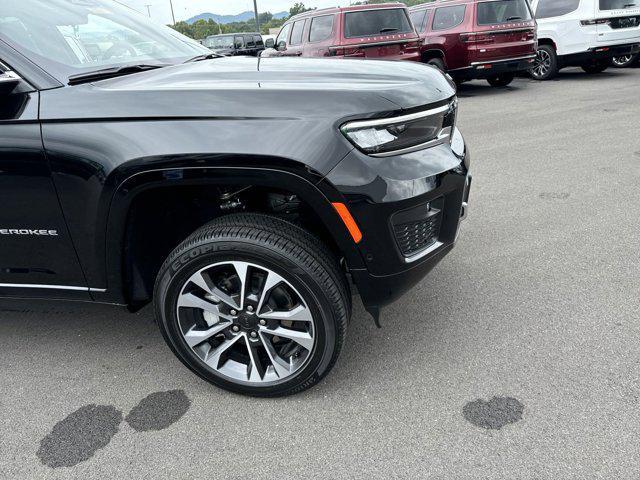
x=437 y=63
x=501 y=80
x=597 y=67
x=198 y=256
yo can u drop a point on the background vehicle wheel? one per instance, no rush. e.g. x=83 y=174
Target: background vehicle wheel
x=251 y=309
x=501 y=80
x=437 y=62
x=546 y=65
x=624 y=61
x=597 y=67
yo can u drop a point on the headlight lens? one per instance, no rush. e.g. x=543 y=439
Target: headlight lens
x=393 y=136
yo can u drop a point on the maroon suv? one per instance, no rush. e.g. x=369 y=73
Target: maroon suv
x=487 y=39
x=364 y=31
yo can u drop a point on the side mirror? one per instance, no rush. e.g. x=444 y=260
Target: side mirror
x=9 y=81
x=282 y=46
x=270 y=43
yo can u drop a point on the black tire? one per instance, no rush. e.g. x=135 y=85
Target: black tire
x=501 y=80
x=283 y=247
x=546 y=64
x=438 y=63
x=596 y=67
x=625 y=61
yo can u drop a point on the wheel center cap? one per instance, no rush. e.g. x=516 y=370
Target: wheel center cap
x=247 y=321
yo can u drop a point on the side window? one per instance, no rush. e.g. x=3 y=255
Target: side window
x=448 y=17
x=249 y=42
x=259 y=41
x=283 y=36
x=239 y=43
x=556 y=8
x=321 y=28
x=418 y=19
x=297 y=32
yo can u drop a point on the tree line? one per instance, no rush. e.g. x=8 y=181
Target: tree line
x=204 y=28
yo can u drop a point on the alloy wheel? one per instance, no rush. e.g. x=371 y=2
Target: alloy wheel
x=246 y=322
x=542 y=64
x=622 y=61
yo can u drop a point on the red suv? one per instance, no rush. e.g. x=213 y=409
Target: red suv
x=488 y=39
x=364 y=31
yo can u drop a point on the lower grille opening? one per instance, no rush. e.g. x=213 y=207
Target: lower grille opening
x=414 y=235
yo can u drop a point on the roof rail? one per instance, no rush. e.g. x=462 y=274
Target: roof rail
x=338 y=9
x=308 y=12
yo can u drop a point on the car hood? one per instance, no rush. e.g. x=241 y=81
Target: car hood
x=249 y=87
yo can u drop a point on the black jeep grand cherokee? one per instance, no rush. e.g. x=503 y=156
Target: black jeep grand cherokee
x=241 y=195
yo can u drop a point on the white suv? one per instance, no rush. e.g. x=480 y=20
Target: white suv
x=584 y=33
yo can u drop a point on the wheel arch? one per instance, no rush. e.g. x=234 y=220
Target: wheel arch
x=434 y=53
x=122 y=284
x=548 y=41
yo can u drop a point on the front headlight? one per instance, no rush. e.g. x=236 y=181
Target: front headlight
x=386 y=137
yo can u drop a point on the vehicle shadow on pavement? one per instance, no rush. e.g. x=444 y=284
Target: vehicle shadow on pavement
x=479 y=88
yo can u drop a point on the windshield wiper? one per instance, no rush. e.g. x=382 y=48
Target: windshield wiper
x=113 y=72
x=206 y=56
x=388 y=30
x=513 y=18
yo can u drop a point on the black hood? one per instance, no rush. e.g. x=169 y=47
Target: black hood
x=249 y=86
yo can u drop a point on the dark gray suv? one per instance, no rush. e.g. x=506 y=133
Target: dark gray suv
x=238 y=44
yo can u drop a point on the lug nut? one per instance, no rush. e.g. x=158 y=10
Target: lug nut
x=233 y=312
x=250 y=308
x=235 y=328
x=253 y=335
x=263 y=322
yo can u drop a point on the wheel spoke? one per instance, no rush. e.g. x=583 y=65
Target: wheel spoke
x=189 y=300
x=213 y=357
x=301 y=338
x=196 y=337
x=298 y=314
x=271 y=281
x=241 y=270
x=255 y=369
x=281 y=367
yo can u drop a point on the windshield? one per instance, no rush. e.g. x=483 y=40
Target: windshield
x=617 y=4
x=503 y=11
x=218 y=43
x=72 y=37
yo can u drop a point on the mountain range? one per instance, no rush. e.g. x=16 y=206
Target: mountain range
x=224 y=19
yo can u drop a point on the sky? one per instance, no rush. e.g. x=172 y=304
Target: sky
x=184 y=9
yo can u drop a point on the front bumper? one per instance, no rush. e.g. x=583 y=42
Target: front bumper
x=409 y=210
x=483 y=70
x=384 y=253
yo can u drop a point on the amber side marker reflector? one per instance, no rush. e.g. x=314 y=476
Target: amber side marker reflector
x=348 y=221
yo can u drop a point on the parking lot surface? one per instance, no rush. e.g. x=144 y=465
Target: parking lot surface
x=518 y=357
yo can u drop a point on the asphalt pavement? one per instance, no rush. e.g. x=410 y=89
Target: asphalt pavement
x=517 y=358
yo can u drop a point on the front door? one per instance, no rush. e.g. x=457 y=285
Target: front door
x=37 y=257
x=295 y=46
